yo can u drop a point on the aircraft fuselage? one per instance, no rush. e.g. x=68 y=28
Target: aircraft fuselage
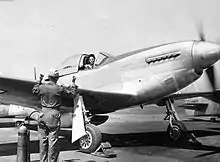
x=145 y=76
x=142 y=76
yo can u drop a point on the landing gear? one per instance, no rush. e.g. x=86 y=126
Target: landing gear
x=93 y=138
x=213 y=119
x=91 y=141
x=177 y=131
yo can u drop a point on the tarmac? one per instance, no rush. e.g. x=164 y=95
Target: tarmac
x=135 y=135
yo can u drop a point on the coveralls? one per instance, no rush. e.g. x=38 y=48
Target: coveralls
x=49 y=122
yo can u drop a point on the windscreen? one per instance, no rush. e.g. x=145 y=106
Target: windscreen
x=102 y=58
x=69 y=65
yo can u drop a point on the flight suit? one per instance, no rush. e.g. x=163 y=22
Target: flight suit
x=49 y=122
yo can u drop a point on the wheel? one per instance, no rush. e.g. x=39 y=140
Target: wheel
x=91 y=140
x=18 y=123
x=178 y=133
x=213 y=119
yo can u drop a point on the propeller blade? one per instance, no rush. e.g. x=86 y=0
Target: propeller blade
x=218 y=41
x=200 y=31
x=211 y=75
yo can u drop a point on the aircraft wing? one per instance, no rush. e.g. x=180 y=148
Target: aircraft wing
x=19 y=92
x=194 y=106
x=185 y=95
x=179 y=96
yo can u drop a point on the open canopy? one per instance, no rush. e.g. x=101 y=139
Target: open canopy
x=72 y=64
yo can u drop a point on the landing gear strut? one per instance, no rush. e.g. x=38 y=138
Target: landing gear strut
x=93 y=138
x=177 y=131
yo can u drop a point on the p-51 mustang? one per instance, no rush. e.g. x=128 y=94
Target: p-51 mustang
x=145 y=76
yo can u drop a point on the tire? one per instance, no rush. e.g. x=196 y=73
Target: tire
x=213 y=119
x=90 y=142
x=179 y=133
x=18 y=123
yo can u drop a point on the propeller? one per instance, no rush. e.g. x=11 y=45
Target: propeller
x=212 y=78
x=200 y=31
x=209 y=71
x=211 y=75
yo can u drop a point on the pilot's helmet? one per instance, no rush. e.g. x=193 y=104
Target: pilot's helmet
x=53 y=73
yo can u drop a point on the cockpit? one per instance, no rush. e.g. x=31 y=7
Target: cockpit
x=78 y=62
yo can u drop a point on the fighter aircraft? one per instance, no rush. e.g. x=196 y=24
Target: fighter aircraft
x=145 y=76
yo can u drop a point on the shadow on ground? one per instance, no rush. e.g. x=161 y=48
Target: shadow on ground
x=7 y=149
x=158 y=139
x=11 y=148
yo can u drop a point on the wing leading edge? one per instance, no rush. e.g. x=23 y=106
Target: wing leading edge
x=209 y=95
x=19 y=92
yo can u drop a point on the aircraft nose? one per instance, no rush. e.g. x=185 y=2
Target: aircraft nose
x=206 y=53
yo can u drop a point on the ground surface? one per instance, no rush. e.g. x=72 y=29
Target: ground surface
x=135 y=135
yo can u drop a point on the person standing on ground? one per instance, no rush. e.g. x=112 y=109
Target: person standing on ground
x=49 y=121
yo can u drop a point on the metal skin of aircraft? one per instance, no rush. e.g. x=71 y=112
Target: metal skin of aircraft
x=144 y=76
x=200 y=108
x=207 y=88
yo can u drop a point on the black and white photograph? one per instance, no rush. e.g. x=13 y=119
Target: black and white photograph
x=109 y=81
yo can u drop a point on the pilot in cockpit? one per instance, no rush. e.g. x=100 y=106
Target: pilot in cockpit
x=89 y=62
